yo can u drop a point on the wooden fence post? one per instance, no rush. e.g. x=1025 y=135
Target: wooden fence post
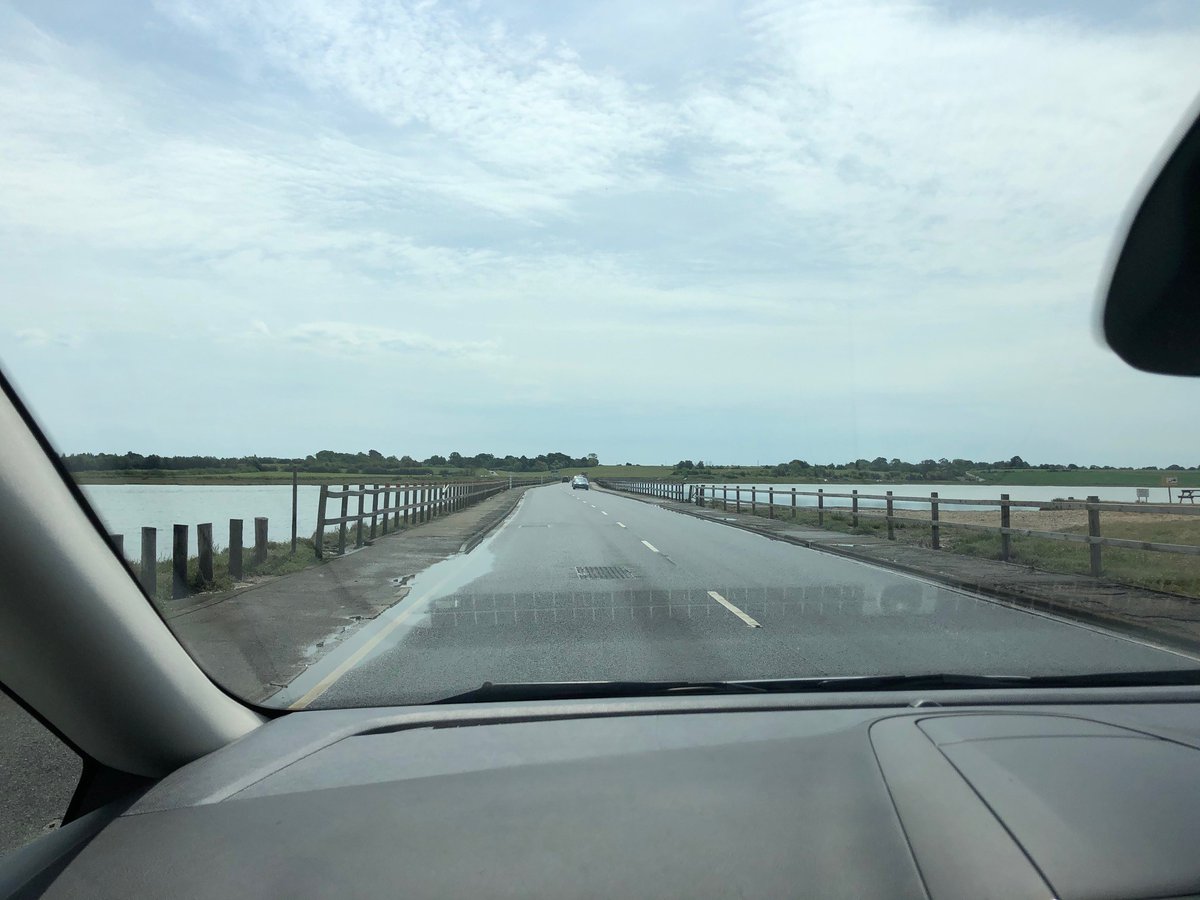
x=235 y=549
x=854 y=508
x=396 y=514
x=771 y=502
x=1093 y=515
x=753 y=500
x=358 y=529
x=118 y=544
x=891 y=531
x=374 y=508
x=149 y=572
x=725 y=498
x=204 y=552
x=793 y=504
x=295 y=501
x=737 y=504
x=179 y=553
x=387 y=496
x=933 y=518
x=342 y=524
x=319 y=537
x=260 y=540
x=820 y=507
x=406 y=521
x=1005 y=522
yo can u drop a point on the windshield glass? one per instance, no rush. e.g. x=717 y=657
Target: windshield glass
x=406 y=347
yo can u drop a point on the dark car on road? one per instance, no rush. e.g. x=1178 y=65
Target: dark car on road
x=580 y=481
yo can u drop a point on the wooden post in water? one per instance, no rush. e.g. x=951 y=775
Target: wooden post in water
x=179 y=553
x=235 y=549
x=890 y=511
x=854 y=508
x=1093 y=516
x=342 y=524
x=319 y=537
x=149 y=571
x=820 y=507
x=204 y=552
x=933 y=518
x=1005 y=522
x=295 y=502
x=260 y=540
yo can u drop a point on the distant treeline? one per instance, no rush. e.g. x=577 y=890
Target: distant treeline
x=326 y=461
x=883 y=469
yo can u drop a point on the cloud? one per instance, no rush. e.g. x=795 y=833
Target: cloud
x=40 y=337
x=804 y=212
x=359 y=340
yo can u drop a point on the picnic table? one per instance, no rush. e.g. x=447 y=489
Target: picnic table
x=1188 y=494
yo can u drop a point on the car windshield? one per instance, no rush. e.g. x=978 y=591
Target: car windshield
x=406 y=347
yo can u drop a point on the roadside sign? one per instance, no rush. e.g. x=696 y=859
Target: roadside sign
x=1170 y=479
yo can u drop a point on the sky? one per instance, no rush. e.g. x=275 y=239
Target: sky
x=737 y=232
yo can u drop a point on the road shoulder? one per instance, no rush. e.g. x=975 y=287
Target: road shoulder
x=254 y=641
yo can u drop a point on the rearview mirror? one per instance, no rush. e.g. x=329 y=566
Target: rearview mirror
x=1152 y=309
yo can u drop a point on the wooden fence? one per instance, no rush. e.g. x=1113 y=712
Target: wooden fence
x=147 y=572
x=399 y=505
x=770 y=499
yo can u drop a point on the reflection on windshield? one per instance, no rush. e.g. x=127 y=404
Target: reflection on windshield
x=409 y=348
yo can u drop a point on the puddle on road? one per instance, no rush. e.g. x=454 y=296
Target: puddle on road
x=439 y=580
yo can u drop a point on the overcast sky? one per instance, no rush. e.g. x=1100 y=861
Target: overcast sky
x=735 y=232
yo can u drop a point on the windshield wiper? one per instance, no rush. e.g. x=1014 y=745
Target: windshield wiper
x=489 y=692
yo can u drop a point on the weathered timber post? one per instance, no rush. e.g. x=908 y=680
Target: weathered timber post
x=260 y=540
x=204 y=552
x=149 y=571
x=179 y=554
x=235 y=549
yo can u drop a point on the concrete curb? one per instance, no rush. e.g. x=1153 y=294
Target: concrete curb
x=1116 y=624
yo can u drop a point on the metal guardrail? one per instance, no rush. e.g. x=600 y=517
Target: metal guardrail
x=731 y=496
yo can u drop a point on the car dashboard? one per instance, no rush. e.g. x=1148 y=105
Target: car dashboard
x=980 y=794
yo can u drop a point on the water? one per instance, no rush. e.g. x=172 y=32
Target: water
x=126 y=508
x=957 y=491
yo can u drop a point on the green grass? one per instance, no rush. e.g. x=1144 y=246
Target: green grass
x=280 y=561
x=1170 y=572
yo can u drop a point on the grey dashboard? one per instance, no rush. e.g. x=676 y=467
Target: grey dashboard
x=693 y=797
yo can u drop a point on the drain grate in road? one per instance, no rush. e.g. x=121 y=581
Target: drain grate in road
x=604 y=572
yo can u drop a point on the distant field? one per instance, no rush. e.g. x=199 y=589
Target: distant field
x=744 y=474
x=626 y=471
x=1092 y=477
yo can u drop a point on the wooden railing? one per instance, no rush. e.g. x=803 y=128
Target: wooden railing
x=771 y=499
x=399 y=506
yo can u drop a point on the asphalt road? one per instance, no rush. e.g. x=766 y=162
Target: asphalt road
x=588 y=585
